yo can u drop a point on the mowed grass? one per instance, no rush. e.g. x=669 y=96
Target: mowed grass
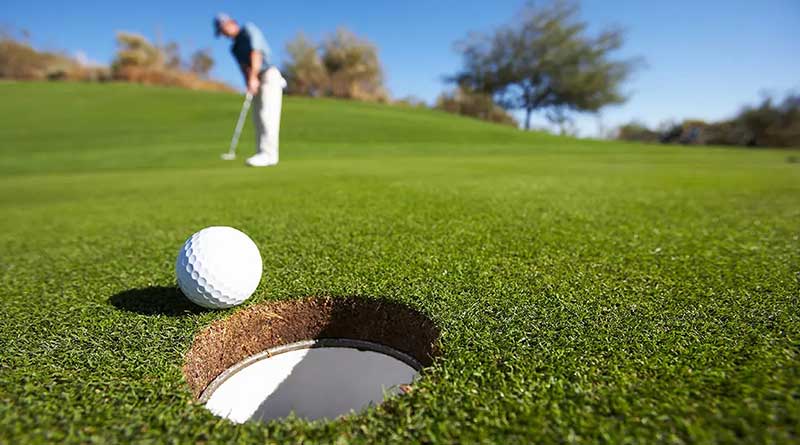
x=587 y=292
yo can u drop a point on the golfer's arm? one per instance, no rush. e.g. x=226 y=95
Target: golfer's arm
x=255 y=64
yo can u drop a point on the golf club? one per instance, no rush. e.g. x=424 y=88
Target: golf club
x=231 y=154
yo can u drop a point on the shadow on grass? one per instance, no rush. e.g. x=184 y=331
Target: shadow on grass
x=155 y=300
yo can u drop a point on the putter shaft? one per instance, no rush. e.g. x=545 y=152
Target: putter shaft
x=231 y=154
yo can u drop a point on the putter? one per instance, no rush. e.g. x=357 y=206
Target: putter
x=231 y=154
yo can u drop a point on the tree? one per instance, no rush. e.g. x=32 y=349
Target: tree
x=201 y=62
x=353 y=67
x=304 y=71
x=546 y=62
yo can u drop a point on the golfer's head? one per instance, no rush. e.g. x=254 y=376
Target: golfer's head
x=226 y=26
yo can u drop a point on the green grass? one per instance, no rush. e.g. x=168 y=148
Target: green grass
x=587 y=292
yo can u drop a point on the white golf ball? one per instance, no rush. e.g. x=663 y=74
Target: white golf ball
x=218 y=267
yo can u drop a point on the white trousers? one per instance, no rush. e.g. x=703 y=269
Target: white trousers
x=267 y=114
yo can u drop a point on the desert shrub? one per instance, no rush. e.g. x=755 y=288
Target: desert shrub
x=167 y=77
x=772 y=123
x=20 y=61
x=728 y=133
x=353 y=67
x=688 y=132
x=474 y=104
x=139 y=61
x=305 y=74
x=134 y=50
x=201 y=62
x=410 y=102
x=343 y=65
x=636 y=131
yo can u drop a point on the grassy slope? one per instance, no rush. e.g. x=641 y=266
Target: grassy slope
x=588 y=292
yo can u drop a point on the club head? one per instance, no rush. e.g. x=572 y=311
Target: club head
x=228 y=156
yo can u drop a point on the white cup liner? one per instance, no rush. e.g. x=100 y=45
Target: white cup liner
x=314 y=379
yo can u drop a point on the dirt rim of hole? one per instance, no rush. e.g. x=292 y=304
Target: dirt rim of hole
x=267 y=326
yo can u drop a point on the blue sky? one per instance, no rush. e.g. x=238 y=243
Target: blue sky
x=704 y=58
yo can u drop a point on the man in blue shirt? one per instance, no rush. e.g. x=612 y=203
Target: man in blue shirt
x=263 y=81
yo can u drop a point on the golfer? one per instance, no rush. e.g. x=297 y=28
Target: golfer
x=263 y=81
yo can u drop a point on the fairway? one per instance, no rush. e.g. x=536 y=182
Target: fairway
x=586 y=291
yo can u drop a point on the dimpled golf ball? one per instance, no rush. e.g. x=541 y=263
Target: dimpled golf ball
x=218 y=267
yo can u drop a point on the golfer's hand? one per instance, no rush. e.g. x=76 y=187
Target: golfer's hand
x=252 y=85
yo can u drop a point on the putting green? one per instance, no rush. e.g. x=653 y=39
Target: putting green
x=586 y=291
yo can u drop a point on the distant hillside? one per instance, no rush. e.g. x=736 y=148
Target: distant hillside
x=117 y=125
x=20 y=61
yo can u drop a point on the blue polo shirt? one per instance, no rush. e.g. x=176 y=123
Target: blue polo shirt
x=248 y=40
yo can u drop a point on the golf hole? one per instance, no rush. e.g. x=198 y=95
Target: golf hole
x=315 y=358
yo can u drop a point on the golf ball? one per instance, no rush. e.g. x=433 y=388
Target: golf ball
x=218 y=267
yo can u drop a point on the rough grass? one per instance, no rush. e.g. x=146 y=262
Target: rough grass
x=587 y=292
